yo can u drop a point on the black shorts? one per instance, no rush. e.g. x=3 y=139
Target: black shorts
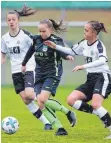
x=21 y=81
x=49 y=84
x=97 y=83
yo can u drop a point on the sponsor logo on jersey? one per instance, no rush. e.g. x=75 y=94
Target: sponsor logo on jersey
x=18 y=42
x=92 y=53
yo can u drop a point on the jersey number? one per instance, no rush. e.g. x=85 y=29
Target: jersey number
x=15 y=50
x=88 y=59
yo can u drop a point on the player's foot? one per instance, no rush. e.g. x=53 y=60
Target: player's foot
x=48 y=127
x=72 y=118
x=61 y=132
x=108 y=137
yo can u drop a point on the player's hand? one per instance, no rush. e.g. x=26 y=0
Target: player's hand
x=23 y=68
x=50 y=44
x=70 y=58
x=78 y=68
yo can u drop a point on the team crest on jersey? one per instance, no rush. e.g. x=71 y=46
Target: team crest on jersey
x=44 y=48
x=92 y=53
x=18 y=42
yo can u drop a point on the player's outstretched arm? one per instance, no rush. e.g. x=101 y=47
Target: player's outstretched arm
x=59 y=48
x=50 y=44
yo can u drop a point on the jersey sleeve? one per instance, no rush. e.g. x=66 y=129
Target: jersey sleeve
x=78 y=48
x=29 y=38
x=3 y=46
x=29 y=41
x=102 y=50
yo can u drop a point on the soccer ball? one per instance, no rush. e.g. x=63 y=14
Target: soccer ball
x=10 y=125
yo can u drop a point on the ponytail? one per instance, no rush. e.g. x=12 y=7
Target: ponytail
x=26 y=11
x=98 y=27
x=59 y=27
x=103 y=27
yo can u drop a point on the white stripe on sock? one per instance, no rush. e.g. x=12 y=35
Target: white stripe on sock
x=77 y=104
x=101 y=111
x=33 y=107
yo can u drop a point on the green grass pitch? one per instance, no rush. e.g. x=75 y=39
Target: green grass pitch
x=89 y=128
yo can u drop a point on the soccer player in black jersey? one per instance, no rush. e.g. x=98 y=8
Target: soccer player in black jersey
x=48 y=72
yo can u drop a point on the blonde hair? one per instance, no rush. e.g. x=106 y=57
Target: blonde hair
x=58 y=27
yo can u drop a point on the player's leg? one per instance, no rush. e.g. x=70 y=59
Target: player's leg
x=57 y=106
x=78 y=97
x=51 y=85
x=37 y=90
x=101 y=112
x=20 y=87
x=103 y=85
x=30 y=95
x=48 y=112
x=83 y=94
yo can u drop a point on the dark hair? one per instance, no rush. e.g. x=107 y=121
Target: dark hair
x=26 y=11
x=98 y=26
x=58 y=27
x=13 y=12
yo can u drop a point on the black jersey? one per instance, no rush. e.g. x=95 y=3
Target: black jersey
x=48 y=60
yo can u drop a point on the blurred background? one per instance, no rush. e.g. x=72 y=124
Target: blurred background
x=76 y=13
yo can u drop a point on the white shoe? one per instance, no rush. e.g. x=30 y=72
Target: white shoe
x=108 y=137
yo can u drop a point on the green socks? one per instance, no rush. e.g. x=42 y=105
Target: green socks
x=55 y=105
x=50 y=115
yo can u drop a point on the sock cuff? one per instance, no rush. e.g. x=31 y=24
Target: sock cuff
x=77 y=104
x=38 y=113
x=101 y=111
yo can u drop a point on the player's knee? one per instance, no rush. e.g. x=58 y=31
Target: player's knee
x=70 y=101
x=25 y=100
x=41 y=99
x=37 y=97
x=30 y=95
x=96 y=105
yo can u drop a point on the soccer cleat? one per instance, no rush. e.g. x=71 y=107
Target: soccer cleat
x=108 y=137
x=61 y=132
x=48 y=127
x=72 y=118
